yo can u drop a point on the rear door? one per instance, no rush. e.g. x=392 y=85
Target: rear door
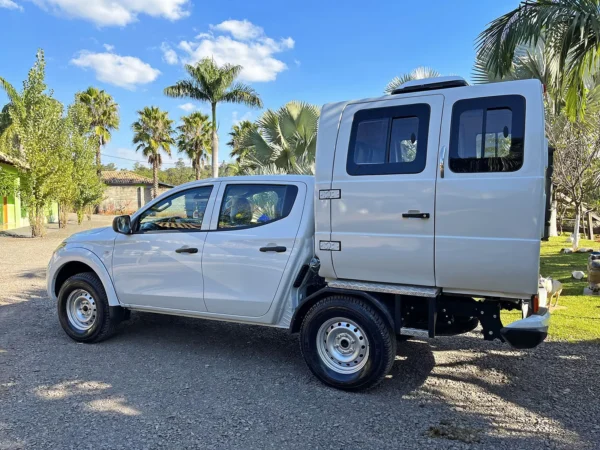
x=490 y=194
x=385 y=168
x=252 y=236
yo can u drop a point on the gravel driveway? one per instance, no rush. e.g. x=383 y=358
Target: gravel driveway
x=168 y=382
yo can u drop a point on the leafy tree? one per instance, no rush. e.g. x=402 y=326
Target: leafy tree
x=8 y=183
x=238 y=131
x=179 y=174
x=286 y=138
x=209 y=82
x=37 y=125
x=576 y=173
x=571 y=31
x=417 y=74
x=194 y=139
x=104 y=117
x=144 y=171
x=175 y=176
x=153 y=132
x=109 y=167
x=88 y=188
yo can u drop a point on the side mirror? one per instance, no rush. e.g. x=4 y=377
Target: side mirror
x=122 y=224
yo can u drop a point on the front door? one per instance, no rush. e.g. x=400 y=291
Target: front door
x=249 y=245
x=385 y=169
x=160 y=264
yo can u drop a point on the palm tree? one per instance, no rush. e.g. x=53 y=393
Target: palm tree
x=104 y=115
x=417 y=74
x=194 y=139
x=286 y=138
x=209 y=82
x=571 y=30
x=238 y=131
x=152 y=133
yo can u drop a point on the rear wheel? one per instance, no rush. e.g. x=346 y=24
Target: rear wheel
x=347 y=343
x=83 y=309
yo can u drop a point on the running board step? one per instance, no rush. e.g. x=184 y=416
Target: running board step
x=415 y=332
x=385 y=288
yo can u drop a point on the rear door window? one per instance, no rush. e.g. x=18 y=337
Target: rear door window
x=254 y=205
x=487 y=134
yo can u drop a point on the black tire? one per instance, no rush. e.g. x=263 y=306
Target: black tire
x=104 y=324
x=379 y=334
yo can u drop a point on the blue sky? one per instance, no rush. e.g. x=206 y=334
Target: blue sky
x=315 y=51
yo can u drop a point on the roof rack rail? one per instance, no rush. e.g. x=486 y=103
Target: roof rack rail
x=430 y=84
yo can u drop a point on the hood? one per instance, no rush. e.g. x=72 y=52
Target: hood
x=92 y=235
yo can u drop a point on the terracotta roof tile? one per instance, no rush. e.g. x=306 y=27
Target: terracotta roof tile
x=4 y=158
x=125 y=177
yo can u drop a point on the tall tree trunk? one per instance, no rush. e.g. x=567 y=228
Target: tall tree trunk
x=553 y=219
x=80 y=212
x=154 y=178
x=36 y=220
x=215 y=143
x=63 y=214
x=99 y=158
x=197 y=168
x=576 y=226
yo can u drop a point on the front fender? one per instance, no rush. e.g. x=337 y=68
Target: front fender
x=83 y=255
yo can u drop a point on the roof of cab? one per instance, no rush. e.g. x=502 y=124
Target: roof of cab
x=527 y=84
x=308 y=179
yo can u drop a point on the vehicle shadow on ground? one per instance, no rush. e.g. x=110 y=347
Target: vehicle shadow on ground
x=219 y=379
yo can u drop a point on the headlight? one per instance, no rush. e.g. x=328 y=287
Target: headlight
x=61 y=245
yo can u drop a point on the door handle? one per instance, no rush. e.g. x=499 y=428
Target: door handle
x=277 y=249
x=186 y=250
x=415 y=215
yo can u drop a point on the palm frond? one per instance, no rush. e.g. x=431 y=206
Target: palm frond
x=242 y=93
x=571 y=31
x=417 y=74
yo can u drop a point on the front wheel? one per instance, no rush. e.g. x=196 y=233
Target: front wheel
x=83 y=309
x=347 y=343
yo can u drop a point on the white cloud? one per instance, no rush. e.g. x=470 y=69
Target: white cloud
x=243 y=30
x=9 y=4
x=169 y=55
x=236 y=119
x=124 y=71
x=297 y=62
x=116 y=12
x=187 y=107
x=242 y=43
x=108 y=47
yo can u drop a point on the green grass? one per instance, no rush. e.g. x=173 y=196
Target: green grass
x=578 y=316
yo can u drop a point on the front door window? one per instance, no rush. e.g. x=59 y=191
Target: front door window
x=181 y=212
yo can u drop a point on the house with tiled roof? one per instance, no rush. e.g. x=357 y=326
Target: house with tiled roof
x=126 y=191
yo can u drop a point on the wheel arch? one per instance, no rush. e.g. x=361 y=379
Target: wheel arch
x=308 y=303
x=79 y=260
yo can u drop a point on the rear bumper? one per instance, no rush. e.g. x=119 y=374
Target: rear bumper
x=529 y=332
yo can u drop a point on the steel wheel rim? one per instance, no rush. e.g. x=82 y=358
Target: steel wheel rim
x=81 y=309
x=342 y=345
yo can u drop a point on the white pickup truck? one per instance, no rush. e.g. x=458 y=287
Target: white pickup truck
x=424 y=217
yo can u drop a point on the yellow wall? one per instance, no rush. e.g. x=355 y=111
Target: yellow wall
x=16 y=213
